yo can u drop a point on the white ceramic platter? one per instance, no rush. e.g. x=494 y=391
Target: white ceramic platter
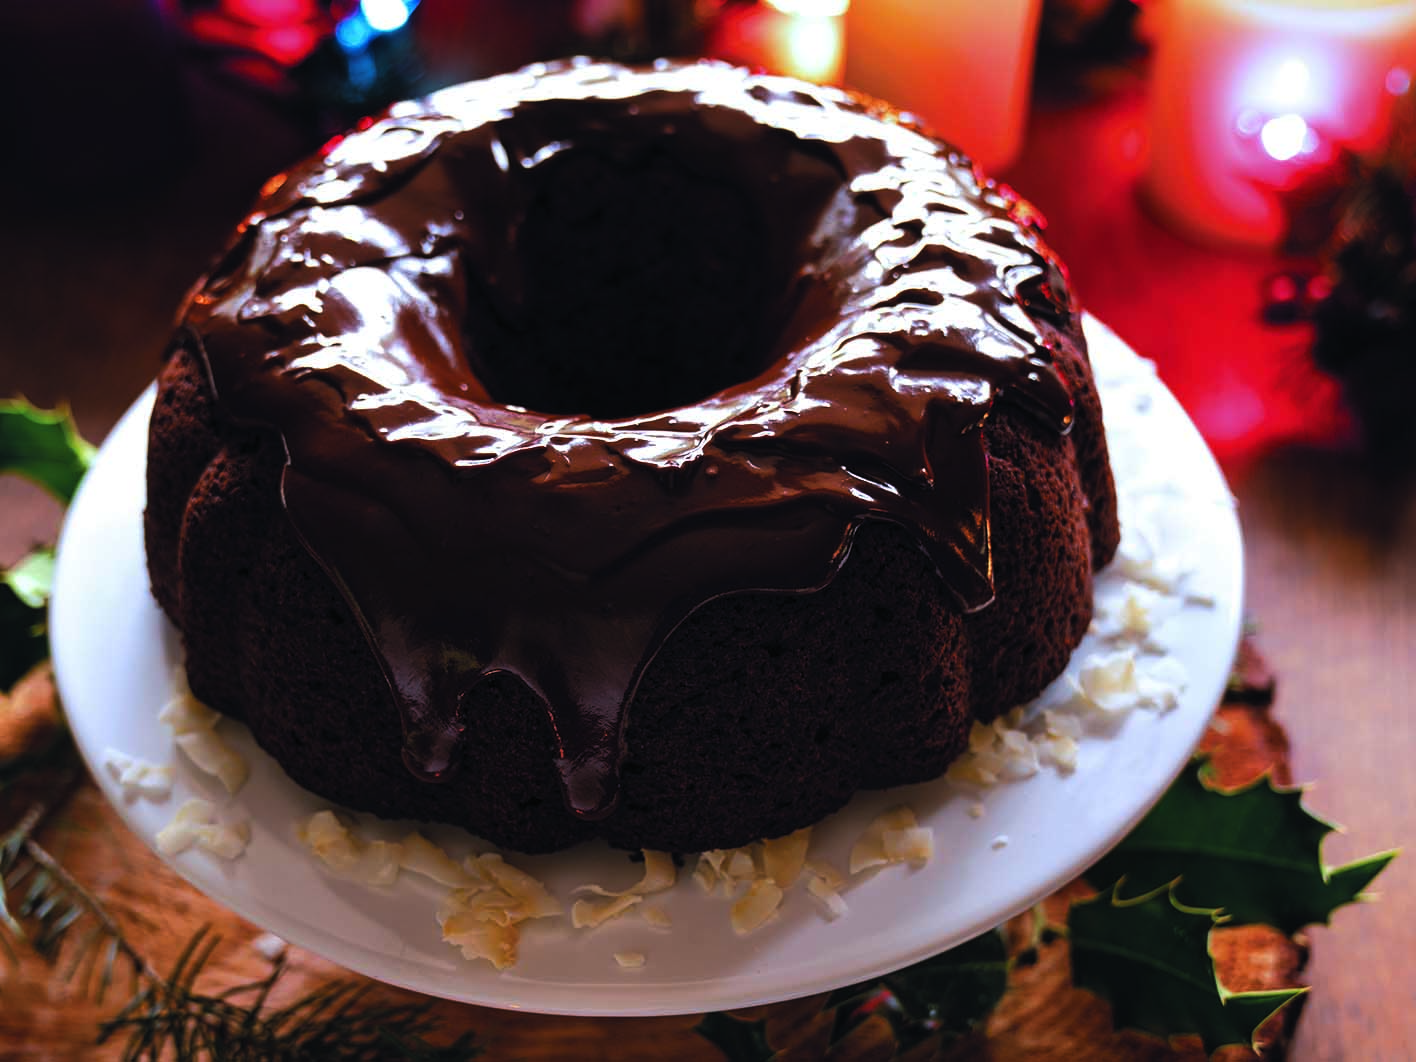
x=117 y=660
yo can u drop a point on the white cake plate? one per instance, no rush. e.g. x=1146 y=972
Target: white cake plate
x=117 y=661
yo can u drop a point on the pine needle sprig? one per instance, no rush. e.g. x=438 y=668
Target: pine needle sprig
x=168 y=1016
x=41 y=904
x=172 y=1018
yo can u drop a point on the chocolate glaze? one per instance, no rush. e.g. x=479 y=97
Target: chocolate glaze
x=470 y=536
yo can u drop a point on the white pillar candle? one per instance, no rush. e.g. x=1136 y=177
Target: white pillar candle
x=964 y=67
x=1249 y=96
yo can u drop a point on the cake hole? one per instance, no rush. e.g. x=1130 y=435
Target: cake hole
x=636 y=272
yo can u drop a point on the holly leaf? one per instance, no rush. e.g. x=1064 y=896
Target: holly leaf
x=946 y=995
x=43 y=446
x=1150 y=958
x=1254 y=852
x=740 y=1039
x=31 y=579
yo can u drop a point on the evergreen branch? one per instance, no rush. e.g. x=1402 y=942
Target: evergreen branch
x=171 y=1018
x=168 y=1017
x=14 y=868
x=66 y=889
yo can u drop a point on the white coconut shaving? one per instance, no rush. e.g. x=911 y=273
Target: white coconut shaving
x=139 y=778
x=193 y=727
x=195 y=824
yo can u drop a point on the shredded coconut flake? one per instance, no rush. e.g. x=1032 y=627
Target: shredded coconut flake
x=657 y=917
x=373 y=862
x=914 y=844
x=531 y=900
x=630 y=960
x=181 y=833
x=421 y=856
x=830 y=900
x=210 y=753
x=227 y=842
x=1135 y=616
x=195 y=824
x=483 y=920
x=587 y=914
x=659 y=875
x=705 y=875
x=1160 y=683
x=754 y=909
x=464 y=928
x=185 y=714
x=1061 y=751
x=1107 y=681
x=784 y=857
x=138 y=778
x=870 y=851
x=740 y=864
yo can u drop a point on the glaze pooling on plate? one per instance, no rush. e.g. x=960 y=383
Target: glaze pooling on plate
x=904 y=297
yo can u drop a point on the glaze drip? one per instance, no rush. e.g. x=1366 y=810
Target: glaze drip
x=471 y=536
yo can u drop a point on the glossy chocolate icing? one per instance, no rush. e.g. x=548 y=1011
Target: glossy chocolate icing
x=471 y=536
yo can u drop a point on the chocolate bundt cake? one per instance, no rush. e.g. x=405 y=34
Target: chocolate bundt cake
x=658 y=454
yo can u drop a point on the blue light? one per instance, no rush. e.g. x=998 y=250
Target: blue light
x=354 y=33
x=385 y=16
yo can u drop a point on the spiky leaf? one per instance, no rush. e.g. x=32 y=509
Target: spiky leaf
x=1149 y=956
x=43 y=446
x=1256 y=852
x=31 y=579
x=946 y=995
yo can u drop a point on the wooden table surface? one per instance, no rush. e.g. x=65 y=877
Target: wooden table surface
x=93 y=270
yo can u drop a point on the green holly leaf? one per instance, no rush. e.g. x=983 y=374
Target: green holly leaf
x=740 y=1039
x=43 y=446
x=1254 y=852
x=31 y=579
x=946 y=995
x=1150 y=958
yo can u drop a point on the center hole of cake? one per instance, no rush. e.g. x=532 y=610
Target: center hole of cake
x=628 y=285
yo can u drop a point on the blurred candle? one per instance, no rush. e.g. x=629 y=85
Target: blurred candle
x=962 y=66
x=803 y=38
x=1249 y=97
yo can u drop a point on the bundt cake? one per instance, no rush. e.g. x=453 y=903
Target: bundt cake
x=661 y=454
